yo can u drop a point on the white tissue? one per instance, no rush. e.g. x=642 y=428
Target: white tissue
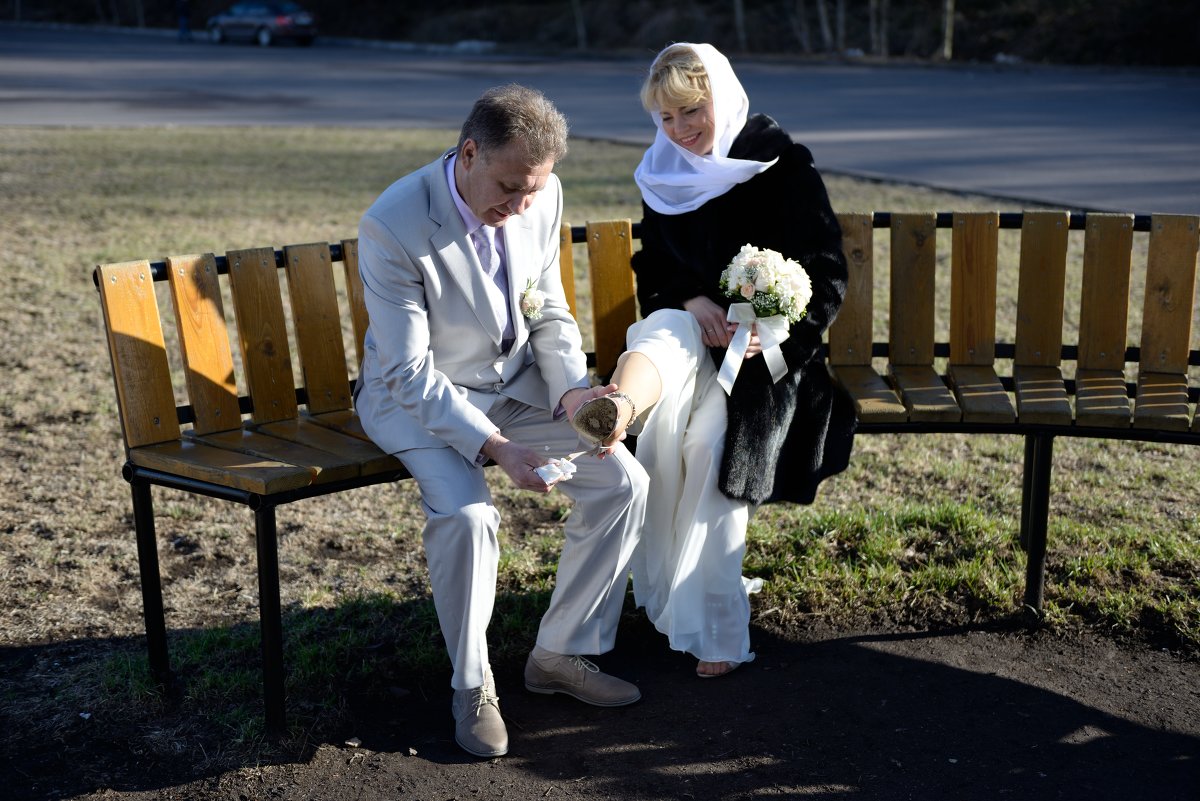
x=556 y=470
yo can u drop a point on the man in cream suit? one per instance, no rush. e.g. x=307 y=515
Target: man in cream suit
x=463 y=367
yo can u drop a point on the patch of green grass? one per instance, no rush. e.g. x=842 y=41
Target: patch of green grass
x=917 y=565
x=1129 y=581
x=950 y=563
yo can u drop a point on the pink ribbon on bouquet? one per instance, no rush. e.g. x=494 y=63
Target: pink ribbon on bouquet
x=771 y=331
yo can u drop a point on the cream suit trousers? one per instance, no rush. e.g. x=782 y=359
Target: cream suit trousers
x=462 y=550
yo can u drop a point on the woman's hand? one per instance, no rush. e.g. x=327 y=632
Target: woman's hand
x=715 y=330
x=755 y=346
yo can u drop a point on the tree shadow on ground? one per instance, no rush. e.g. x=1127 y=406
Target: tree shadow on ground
x=963 y=713
x=888 y=716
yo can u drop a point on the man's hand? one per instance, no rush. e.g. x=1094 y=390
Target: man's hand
x=519 y=461
x=572 y=399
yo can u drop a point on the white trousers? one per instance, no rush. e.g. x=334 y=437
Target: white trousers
x=687 y=569
x=462 y=550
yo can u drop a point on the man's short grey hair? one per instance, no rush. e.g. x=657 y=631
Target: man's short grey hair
x=515 y=113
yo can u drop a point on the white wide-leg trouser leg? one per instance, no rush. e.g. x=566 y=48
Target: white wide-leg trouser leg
x=687 y=568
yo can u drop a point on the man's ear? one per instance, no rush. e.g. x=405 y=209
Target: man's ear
x=468 y=153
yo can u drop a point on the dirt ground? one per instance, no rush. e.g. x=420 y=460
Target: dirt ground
x=954 y=714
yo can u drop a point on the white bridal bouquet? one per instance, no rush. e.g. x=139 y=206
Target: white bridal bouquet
x=772 y=284
x=776 y=292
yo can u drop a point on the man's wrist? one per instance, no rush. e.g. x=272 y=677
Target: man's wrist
x=492 y=445
x=568 y=403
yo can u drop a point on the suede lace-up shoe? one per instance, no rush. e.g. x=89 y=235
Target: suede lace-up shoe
x=547 y=672
x=478 y=728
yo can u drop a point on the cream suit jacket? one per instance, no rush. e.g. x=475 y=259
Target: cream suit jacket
x=433 y=366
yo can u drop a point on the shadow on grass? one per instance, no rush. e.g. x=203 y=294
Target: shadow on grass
x=956 y=713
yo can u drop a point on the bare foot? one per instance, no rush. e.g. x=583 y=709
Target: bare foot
x=711 y=670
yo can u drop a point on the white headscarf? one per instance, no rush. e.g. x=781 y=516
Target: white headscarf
x=674 y=180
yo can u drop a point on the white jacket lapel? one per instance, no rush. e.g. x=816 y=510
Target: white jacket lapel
x=458 y=257
x=518 y=249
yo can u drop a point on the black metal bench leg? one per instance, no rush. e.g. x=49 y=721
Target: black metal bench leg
x=1035 y=513
x=270 y=618
x=152 y=602
x=1027 y=489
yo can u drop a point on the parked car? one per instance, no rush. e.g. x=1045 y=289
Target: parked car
x=264 y=23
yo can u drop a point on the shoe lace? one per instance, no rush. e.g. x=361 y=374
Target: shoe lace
x=583 y=663
x=482 y=697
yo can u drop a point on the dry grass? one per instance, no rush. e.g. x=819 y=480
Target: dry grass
x=1125 y=543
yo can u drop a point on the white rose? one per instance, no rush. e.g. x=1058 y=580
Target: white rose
x=532 y=301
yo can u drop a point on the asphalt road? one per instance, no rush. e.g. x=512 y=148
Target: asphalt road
x=1082 y=138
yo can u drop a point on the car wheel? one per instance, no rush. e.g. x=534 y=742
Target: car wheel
x=215 y=35
x=304 y=41
x=264 y=37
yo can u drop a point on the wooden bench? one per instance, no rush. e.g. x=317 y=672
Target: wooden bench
x=286 y=440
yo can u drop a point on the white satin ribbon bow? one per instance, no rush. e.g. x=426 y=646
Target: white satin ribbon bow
x=771 y=331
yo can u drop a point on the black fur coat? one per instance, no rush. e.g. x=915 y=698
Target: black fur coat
x=782 y=438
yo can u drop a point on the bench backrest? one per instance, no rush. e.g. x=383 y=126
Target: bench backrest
x=323 y=322
x=319 y=321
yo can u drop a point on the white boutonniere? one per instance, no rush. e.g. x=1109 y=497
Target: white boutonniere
x=532 y=300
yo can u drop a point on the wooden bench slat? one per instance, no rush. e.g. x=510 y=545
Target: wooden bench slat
x=1162 y=402
x=912 y=309
x=1101 y=399
x=973 y=288
x=566 y=267
x=354 y=295
x=138 y=352
x=204 y=342
x=1042 y=287
x=325 y=467
x=980 y=394
x=1104 y=298
x=1167 y=323
x=344 y=422
x=262 y=333
x=317 y=323
x=222 y=467
x=874 y=400
x=370 y=459
x=851 y=332
x=1041 y=395
x=614 y=305
x=925 y=394
x=1170 y=290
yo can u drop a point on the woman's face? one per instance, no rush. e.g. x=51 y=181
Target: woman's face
x=691 y=127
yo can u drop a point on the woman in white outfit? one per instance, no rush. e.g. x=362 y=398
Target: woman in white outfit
x=714 y=180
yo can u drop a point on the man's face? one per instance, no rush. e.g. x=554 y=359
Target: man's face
x=498 y=184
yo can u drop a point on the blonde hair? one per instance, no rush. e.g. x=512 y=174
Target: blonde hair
x=677 y=78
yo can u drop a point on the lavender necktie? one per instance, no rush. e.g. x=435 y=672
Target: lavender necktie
x=489 y=259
